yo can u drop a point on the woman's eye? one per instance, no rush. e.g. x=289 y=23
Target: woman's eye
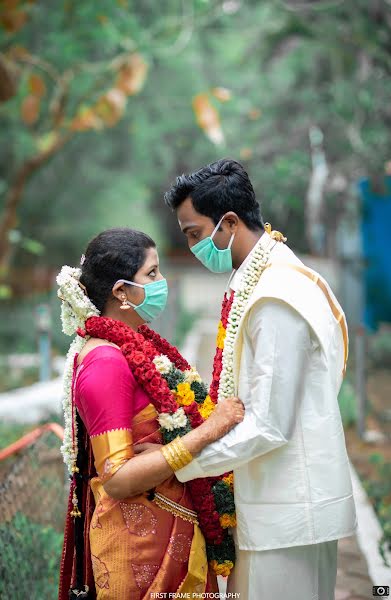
x=152 y=273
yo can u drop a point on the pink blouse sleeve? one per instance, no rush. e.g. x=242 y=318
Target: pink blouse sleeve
x=104 y=396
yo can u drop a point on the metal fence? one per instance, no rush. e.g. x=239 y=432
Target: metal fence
x=33 y=493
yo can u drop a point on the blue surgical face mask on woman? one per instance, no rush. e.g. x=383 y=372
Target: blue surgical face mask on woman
x=214 y=259
x=154 y=303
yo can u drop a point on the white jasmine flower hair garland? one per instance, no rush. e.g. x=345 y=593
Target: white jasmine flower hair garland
x=250 y=279
x=76 y=308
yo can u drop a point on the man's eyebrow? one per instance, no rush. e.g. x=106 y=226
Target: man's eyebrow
x=191 y=226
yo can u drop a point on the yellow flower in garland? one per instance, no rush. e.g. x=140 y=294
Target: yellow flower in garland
x=206 y=408
x=223 y=569
x=184 y=394
x=229 y=480
x=221 y=333
x=227 y=520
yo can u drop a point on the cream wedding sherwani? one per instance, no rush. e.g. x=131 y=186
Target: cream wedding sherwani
x=292 y=484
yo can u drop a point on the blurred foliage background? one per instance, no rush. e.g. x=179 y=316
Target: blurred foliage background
x=103 y=103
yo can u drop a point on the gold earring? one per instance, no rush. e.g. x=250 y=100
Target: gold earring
x=124 y=305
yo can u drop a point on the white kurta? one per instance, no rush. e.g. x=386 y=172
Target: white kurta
x=292 y=480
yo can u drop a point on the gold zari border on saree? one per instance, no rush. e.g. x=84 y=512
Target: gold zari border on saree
x=175 y=509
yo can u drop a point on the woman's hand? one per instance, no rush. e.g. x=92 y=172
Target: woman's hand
x=142 y=473
x=146 y=447
x=225 y=416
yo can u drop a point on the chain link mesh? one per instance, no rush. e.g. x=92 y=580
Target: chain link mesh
x=33 y=496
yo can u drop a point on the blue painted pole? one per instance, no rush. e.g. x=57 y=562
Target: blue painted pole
x=43 y=320
x=44 y=357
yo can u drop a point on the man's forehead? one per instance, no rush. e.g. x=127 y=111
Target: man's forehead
x=186 y=209
x=188 y=217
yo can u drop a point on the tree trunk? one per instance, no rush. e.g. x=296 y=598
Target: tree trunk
x=15 y=194
x=315 y=229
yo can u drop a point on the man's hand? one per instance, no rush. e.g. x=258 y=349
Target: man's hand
x=225 y=416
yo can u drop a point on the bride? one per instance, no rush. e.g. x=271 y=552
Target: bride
x=132 y=528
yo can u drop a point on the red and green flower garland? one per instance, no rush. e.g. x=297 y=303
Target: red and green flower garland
x=183 y=403
x=218 y=359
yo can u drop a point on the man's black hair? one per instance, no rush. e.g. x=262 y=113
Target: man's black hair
x=216 y=189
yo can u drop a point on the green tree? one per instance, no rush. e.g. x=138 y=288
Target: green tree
x=282 y=70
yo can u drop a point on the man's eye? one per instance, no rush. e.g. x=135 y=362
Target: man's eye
x=195 y=235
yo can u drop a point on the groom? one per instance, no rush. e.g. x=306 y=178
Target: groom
x=284 y=355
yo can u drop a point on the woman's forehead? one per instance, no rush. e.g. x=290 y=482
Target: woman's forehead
x=151 y=257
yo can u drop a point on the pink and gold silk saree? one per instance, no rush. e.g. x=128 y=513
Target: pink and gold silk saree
x=141 y=545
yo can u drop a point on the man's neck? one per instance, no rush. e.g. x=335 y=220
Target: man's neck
x=247 y=242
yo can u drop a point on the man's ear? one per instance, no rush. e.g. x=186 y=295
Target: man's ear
x=232 y=220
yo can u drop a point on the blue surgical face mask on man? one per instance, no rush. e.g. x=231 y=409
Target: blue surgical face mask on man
x=154 y=303
x=214 y=259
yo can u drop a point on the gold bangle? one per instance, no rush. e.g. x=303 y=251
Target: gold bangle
x=184 y=455
x=176 y=454
x=170 y=457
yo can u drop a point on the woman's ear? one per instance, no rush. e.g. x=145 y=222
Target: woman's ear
x=119 y=291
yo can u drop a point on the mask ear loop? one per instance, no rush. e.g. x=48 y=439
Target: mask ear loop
x=130 y=283
x=216 y=228
x=231 y=241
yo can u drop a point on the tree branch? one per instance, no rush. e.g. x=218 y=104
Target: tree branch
x=15 y=193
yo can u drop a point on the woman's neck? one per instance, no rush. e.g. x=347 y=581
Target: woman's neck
x=128 y=317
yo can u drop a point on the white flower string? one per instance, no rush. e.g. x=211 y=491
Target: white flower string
x=249 y=281
x=76 y=308
x=69 y=447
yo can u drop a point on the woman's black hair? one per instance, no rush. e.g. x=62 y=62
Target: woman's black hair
x=113 y=254
x=216 y=189
x=81 y=477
